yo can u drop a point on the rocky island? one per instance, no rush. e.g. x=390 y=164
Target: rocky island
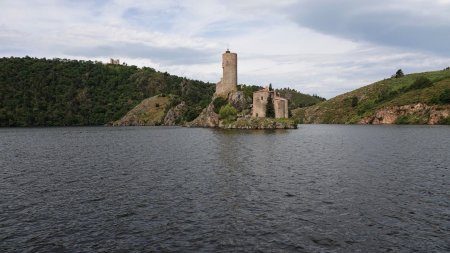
x=232 y=109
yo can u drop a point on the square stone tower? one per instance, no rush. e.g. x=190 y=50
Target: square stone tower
x=228 y=83
x=260 y=99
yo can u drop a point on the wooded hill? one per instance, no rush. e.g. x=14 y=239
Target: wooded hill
x=62 y=92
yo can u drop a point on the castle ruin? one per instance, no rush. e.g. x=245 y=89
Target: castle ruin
x=228 y=82
x=114 y=61
x=228 y=85
x=260 y=99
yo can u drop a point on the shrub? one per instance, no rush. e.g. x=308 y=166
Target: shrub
x=228 y=112
x=420 y=83
x=411 y=119
x=385 y=94
x=444 y=98
x=365 y=107
x=402 y=120
x=445 y=121
x=218 y=103
x=174 y=101
x=354 y=101
x=191 y=114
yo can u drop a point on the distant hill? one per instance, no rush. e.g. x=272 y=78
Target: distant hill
x=298 y=99
x=61 y=92
x=420 y=98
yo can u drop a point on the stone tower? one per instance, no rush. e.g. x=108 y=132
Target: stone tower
x=228 y=83
x=260 y=99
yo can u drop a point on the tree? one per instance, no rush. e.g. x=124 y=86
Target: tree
x=399 y=73
x=270 y=110
x=228 y=113
x=218 y=103
x=270 y=87
x=61 y=92
x=354 y=101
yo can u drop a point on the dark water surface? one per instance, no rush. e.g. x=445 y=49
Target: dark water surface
x=321 y=188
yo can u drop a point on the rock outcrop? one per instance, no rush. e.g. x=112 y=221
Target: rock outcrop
x=173 y=115
x=207 y=118
x=149 y=112
x=425 y=114
x=238 y=100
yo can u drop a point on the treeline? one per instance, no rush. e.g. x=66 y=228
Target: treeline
x=61 y=92
x=298 y=99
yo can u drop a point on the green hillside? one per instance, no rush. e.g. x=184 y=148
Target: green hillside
x=61 y=92
x=429 y=88
x=296 y=98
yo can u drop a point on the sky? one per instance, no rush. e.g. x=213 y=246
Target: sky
x=323 y=47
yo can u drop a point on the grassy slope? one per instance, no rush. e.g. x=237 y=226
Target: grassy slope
x=370 y=98
x=149 y=112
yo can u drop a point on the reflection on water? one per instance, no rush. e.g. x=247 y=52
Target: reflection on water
x=316 y=189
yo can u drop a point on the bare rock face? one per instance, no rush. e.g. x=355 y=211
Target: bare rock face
x=438 y=115
x=237 y=100
x=174 y=113
x=431 y=114
x=207 y=118
x=388 y=116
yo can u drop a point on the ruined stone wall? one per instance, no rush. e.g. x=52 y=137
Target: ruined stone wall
x=228 y=83
x=260 y=103
x=114 y=61
x=281 y=108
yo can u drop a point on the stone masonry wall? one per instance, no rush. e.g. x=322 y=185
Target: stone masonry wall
x=260 y=103
x=281 y=108
x=228 y=83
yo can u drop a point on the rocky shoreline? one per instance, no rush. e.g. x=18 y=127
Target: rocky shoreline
x=413 y=114
x=259 y=123
x=209 y=118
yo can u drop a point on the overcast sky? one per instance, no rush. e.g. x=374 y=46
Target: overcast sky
x=325 y=47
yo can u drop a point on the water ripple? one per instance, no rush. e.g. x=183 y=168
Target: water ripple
x=144 y=189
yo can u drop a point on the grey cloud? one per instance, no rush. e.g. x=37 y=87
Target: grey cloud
x=169 y=56
x=377 y=23
x=156 y=20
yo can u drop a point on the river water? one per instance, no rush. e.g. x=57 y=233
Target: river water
x=320 y=188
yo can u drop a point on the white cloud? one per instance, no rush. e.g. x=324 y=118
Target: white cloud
x=274 y=42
